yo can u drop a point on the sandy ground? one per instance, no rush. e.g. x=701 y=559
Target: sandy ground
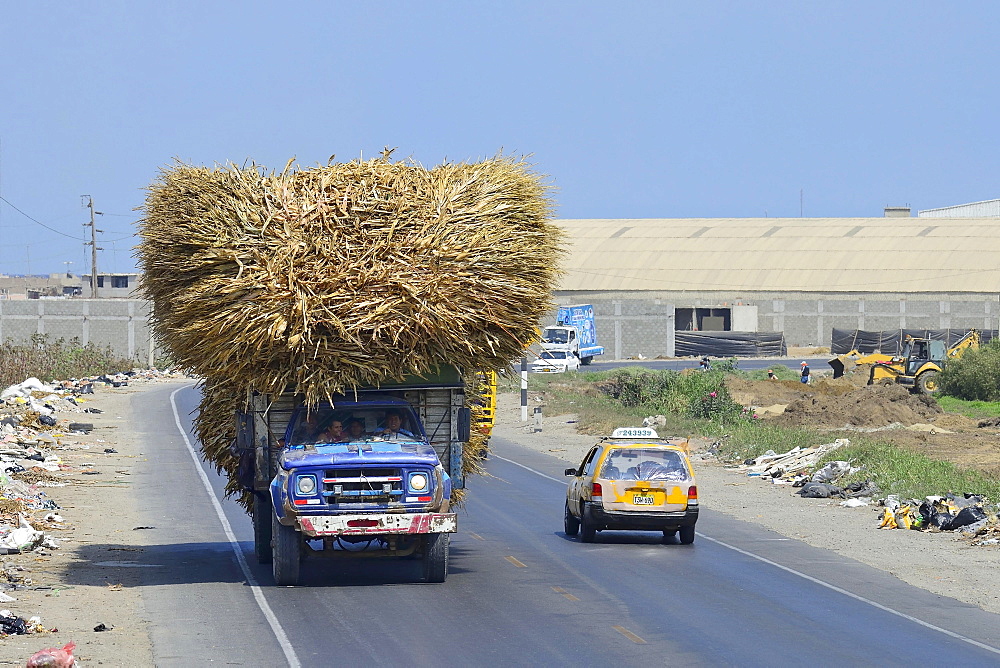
x=78 y=593
x=936 y=562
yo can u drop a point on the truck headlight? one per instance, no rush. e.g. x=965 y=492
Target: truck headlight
x=418 y=482
x=305 y=484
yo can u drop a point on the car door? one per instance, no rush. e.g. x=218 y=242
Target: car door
x=581 y=481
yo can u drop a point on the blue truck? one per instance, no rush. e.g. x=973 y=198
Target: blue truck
x=574 y=332
x=370 y=474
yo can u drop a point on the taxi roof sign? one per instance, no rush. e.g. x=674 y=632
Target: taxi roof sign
x=634 y=432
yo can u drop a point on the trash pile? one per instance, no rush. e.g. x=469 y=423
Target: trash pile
x=788 y=467
x=796 y=468
x=343 y=275
x=970 y=514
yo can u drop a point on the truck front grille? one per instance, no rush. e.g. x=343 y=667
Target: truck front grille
x=362 y=485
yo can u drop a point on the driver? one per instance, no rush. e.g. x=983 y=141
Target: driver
x=393 y=427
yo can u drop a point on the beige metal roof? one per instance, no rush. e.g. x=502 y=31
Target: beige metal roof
x=784 y=254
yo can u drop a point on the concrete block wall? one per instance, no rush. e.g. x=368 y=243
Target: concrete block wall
x=122 y=324
x=634 y=322
x=630 y=327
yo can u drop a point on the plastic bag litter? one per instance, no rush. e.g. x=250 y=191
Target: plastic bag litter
x=819 y=490
x=53 y=658
x=900 y=517
x=21 y=539
x=970 y=530
x=855 y=502
x=941 y=521
x=25 y=389
x=11 y=625
x=832 y=471
x=967 y=516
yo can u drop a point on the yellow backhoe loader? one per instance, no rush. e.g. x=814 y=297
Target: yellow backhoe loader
x=854 y=358
x=916 y=367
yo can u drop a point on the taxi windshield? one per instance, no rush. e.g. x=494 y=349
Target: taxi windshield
x=643 y=464
x=553 y=355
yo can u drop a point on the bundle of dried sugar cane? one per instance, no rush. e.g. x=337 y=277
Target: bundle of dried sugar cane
x=343 y=275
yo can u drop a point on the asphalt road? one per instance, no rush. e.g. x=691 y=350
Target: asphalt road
x=520 y=592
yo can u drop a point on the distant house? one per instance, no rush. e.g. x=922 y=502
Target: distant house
x=111 y=286
x=47 y=286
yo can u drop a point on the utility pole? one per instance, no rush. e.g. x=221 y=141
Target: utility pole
x=93 y=245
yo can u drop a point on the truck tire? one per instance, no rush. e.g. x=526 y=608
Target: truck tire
x=262 y=528
x=587 y=529
x=287 y=554
x=687 y=535
x=436 y=557
x=927 y=382
x=571 y=525
x=586 y=360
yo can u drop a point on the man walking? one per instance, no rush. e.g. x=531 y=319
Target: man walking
x=805 y=374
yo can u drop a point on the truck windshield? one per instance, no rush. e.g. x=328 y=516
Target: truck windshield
x=360 y=424
x=555 y=335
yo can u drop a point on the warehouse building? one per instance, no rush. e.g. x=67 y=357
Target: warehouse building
x=652 y=280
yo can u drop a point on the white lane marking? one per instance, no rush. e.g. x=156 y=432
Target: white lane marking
x=272 y=619
x=511 y=461
x=810 y=578
x=856 y=597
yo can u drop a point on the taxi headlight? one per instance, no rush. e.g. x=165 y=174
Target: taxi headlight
x=418 y=482
x=305 y=484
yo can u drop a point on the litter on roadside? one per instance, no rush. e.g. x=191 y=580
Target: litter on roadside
x=970 y=514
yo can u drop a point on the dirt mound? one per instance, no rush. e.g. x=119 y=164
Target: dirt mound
x=862 y=407
x=835 y=403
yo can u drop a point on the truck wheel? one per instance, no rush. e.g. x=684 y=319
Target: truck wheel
x=587 y=529
x=571 y=525
x=687 y=535
x=262 y=528
x=287 y=554
x=927 y=382
x=436 y=557
x=586 y=360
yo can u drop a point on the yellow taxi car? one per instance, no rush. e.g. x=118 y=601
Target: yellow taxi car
x=633 y=480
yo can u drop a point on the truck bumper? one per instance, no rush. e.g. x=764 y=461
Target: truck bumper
x=375 y=524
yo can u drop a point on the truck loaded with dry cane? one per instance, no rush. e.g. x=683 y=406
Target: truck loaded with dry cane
x=347 y=320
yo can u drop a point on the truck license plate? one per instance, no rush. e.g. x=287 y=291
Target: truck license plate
x=642 y=499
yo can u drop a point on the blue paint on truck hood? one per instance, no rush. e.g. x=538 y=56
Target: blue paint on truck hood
x=352 y=454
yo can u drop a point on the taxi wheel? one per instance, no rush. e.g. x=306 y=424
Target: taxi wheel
x=669 y=533
x=571 y=525
x=587 y=530
x=687 y=535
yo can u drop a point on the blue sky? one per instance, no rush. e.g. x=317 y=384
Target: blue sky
x=633 y=109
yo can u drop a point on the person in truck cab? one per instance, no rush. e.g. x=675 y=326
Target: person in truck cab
x=393 y=427
x=334 y=433
x=355 y=429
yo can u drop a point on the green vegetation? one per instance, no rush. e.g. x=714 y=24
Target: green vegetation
x=972 y=409
x=55 y=360
x=624 y=397
x=910 y=474
x=975 y=376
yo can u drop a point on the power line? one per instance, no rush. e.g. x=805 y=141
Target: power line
x=51 y=229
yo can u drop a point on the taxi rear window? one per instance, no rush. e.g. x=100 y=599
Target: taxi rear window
x=643 y=464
